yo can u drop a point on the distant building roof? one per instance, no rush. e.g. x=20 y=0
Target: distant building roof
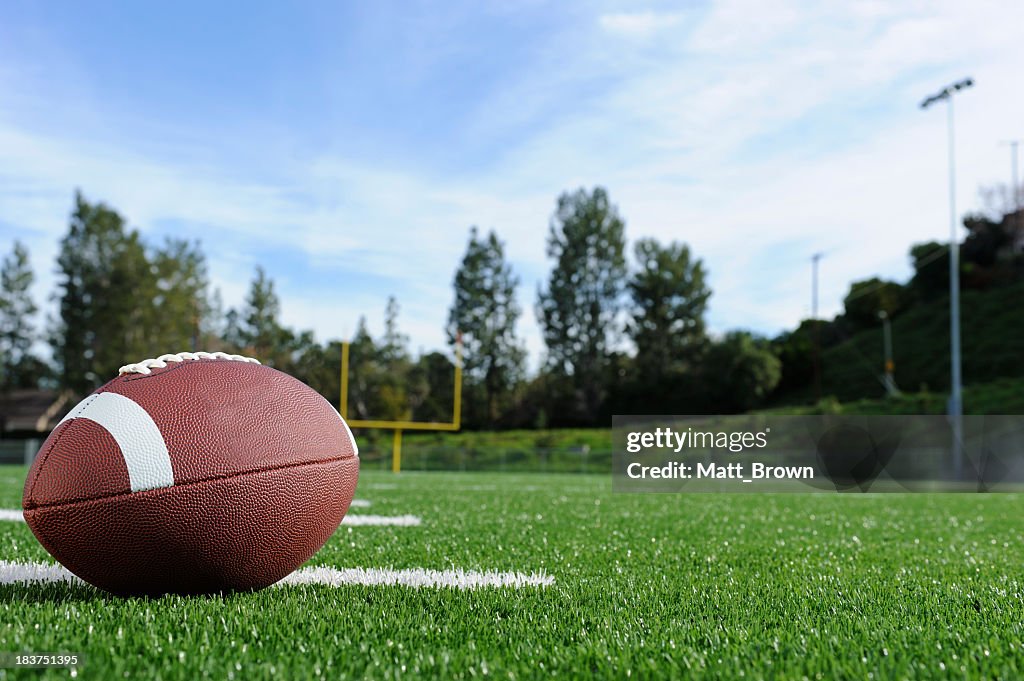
x=33 y=410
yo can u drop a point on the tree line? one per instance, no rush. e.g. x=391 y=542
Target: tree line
x=621 y=335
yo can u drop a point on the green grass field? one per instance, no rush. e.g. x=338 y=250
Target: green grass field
x=726 y=586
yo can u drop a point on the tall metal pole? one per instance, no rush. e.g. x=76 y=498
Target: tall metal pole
x=890 y=365
x=955 y=397
x=817 y=326
x=814 y=284
x=956 y=407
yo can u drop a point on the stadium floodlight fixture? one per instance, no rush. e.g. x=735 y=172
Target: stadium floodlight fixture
x=955 y=398
x=947 y=92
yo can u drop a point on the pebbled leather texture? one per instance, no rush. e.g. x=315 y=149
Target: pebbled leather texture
x=263 y=473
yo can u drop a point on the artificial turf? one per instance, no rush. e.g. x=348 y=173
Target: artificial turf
x=646 y=586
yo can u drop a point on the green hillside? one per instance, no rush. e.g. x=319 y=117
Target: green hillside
x=992 y=330
x=1003 y=396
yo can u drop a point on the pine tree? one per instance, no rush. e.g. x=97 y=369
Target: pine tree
x=364 y=372
x=18 y=367
x=485 y=312
x=181 y=302
x=393 y=384
x=394 y=344
x=579 y=311
x=261 y=333
x=107 y=288
x=669 y=297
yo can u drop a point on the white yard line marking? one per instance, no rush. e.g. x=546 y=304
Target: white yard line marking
x=359 y=503
x=416 y=578
x=14 y=515
x=393 y=520
x=15 y=573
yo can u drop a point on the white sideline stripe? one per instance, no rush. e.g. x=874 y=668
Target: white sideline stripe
x=14 y=515
x=140 y=441
x=14 y=573
x=415 y=578
x=20 y=573
x=394 y=520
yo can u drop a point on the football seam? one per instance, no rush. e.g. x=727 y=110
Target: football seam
x=164 y=371
x=29 y=492
x=30 y=489
x=214 y=478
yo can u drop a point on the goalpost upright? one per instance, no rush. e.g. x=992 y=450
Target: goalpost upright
x=399 y=426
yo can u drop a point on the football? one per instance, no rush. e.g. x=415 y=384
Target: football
x=192 y=473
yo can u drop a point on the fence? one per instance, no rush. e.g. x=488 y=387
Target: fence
x=425 y=457
x=19 y=451
x=376 y=455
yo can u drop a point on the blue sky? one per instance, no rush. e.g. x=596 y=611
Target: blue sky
x=348 y=147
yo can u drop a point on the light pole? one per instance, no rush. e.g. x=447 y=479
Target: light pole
x=817 y=327
x=890 y=366
x=955 y=398
x=814 y=283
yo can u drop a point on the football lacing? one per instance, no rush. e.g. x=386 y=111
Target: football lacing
x=147 y=365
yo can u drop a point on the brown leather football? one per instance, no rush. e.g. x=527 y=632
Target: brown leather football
x=192 y=473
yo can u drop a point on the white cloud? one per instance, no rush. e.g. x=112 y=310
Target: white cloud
x=638 y=24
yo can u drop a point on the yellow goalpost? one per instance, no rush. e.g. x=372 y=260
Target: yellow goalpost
x=399 y=426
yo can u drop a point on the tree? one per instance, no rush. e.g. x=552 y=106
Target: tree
x=260 y=332
x=869 y=297
x=431 y=388
x=931 y=270
x=180 y=304
x=485 y=313
x=579 y=310
x=213 y=324
x=364 y=371
x=393 y=381
x=18 y=367
x=106 y=291
x=795 y=350
x=394 y=344
x=232 y=335
x=318 y=366
x=999 y=200
x=739 y=372
x=985 y=238
x=988 y=253
x=670 y=297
